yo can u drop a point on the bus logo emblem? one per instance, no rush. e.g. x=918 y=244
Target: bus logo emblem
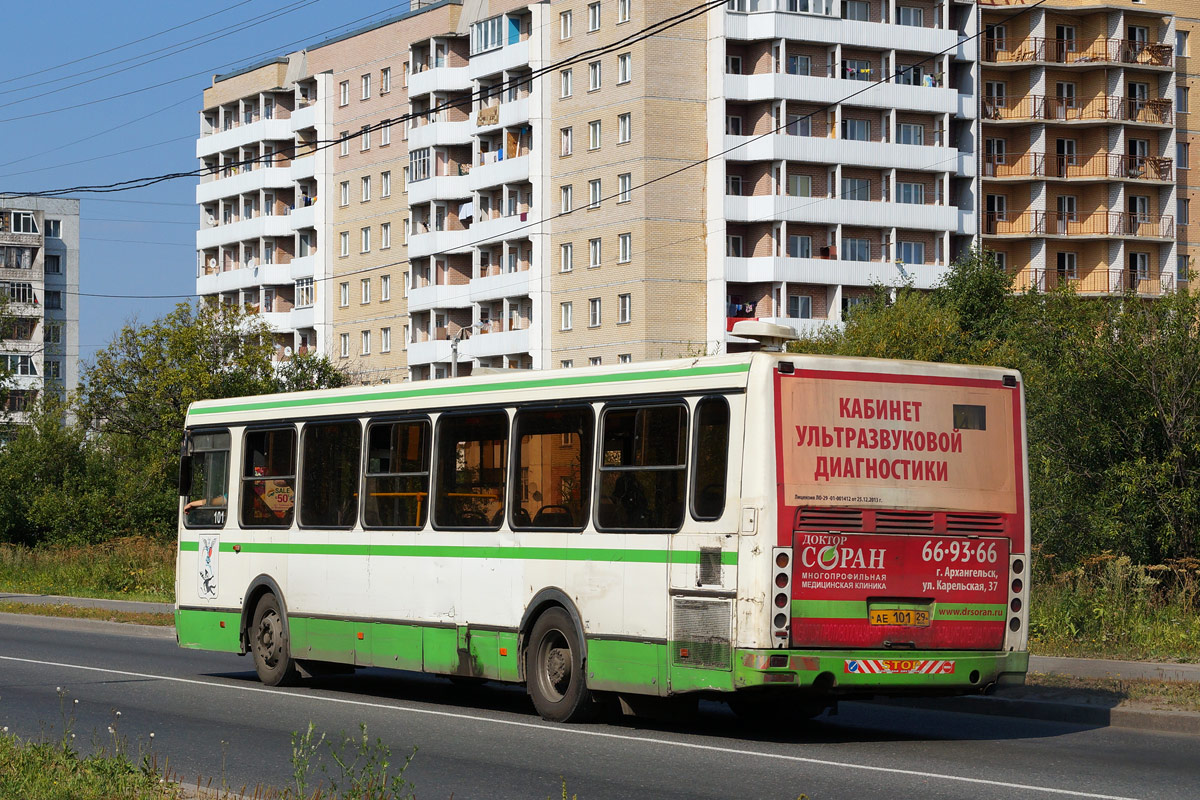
x=206 y=567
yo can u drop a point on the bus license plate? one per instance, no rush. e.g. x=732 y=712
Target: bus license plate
x=900 y=616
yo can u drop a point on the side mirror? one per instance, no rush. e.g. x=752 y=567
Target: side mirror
x=185 y=466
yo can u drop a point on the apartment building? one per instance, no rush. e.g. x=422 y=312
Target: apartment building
x=39 y=275
x=1187 y=137
x=556 y=191
x=1080 y=159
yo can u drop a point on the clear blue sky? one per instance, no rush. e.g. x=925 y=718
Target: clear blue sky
x=145 y=246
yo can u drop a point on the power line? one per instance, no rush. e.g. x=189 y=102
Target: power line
x=127 y=44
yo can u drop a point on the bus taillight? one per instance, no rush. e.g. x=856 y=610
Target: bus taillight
x=781 y=623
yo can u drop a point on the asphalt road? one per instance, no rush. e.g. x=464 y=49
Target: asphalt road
x=213 y=720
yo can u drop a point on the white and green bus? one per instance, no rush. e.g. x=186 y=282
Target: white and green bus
x=767 y=528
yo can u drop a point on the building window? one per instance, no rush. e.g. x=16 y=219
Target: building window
x=1181 y=43
x=595 y=361
x=51 y=334
x=733 y=125
x=593 y=76
x=622 y=11
x=594 y=312
x=566 y=254
x=385 y=184
x=1181 y=268
x=385 y=235
x=1182 y=158
x=53 y=368
x=344 y=190
x=564 y=25
x=858 y=130
x=565 y=82
x=304 y=292
x=54 y=299
x=344 y=93
x=366 y=188
x=907 y=133
x=910 y=15
x=365 y=287
x=856 y=189
x=566 y=311
x=385 y=80
x=364 y=137
x=594 y=193
x=345 y=143
x=799 y=246
x=344 y=293
x=733 y=246
x=385 y=340
x=733 y=64
x=624 y=128
x=912 y=252
x=799 y=306
x=856 y=9
x=385 y=133
x=856 y=249
x=624 y=248
x=799 y=65
x=418 y=165
x=593 y=16
x=344 y=345
x=53 y=265
x=487 y=35
x=798 y=185
x=913 y=193
x=566 y=141
x=624 y=308
x=856 y=69
x=910 y=76
x=566 y=199
x=624 y=68
x=1181 y=100
x=594 y=135
x=624 y=187
x=344 y=237
x=625 y=358
x=594 y=252
x=1139 y=266
x=1183 y=204
x=366 y=240
x=385 y=284
x=54 y=228
x=566 y=363
x=366 y=86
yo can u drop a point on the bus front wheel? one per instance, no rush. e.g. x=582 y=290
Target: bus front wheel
x=554 y=670
x=272 y=657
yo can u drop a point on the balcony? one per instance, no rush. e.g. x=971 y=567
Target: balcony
x=831 y=272
x=1072 y=52
x=433 y=296
x=439 y=187
x=498 y=172
x=440 y=133
x=244 y=182
x=830 y=30
x=822 y=150
x=439 y=79
x=496 y=343
x=833 y=211
x=428 y=242
x=431 y=351
x=1151 y=111
x=240 y=231
x=1097 y=281
x=510 y=56
x=1098 y=224
x=241 y=135
x=1103 y=166
x=813 y=89
x=509 y=113
x=500 y=285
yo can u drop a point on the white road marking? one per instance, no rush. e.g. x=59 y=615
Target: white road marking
x=566 y=729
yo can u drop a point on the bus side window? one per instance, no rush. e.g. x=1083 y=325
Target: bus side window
x=472 y=460
x=712 y=458
x=397 y=479
x=329 y=484
x=269 y=478
x=643 y=468
x=554 y=465
x=207 y=503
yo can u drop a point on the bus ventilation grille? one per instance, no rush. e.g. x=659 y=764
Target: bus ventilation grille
x=904 y=522
x=975 y=523
x=702 y=633
x=829 y=519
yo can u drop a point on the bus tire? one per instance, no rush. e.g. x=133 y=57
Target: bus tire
x=272 y=657
x=554 y=669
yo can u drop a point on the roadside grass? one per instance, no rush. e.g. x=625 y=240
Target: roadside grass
x=133 y=568
x=52 y=771
x=1112 y=608
x=1158 y=695
x=77 y=612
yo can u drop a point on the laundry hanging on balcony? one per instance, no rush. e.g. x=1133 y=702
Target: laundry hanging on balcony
x=466 y=210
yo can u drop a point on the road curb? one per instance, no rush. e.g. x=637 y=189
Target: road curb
x=89 y=625
x=1185 y=722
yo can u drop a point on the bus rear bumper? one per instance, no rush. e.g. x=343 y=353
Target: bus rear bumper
x=864 y=672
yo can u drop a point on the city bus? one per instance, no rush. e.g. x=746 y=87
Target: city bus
x=772 y=529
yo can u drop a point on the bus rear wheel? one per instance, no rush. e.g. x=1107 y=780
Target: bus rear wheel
x=554 y=670
x=272 y=657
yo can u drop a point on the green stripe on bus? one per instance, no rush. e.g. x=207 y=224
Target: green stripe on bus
x=441 y=391
x=729 y=558
x=857 y=609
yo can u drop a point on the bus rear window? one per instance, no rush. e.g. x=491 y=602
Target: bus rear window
x=269 y=478
x=329 y=485
x=712 y=458
x=206 y=505
x=643 y=468
x=970 y=418
x=397 y=482
x=472 y=453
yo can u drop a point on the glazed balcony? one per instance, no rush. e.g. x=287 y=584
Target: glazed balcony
x=1036 y=107
x=1103 y=166
x=1098 y=224
x=1072 y=52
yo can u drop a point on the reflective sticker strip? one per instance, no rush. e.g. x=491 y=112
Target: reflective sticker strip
x=899 y=666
